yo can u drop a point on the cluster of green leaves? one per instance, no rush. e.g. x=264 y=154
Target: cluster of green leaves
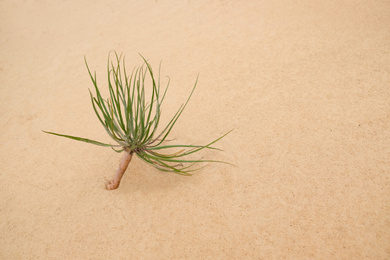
x=132 y=122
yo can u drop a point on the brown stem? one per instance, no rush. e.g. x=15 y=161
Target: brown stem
x=114 y=183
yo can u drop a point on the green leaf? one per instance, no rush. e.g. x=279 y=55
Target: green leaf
x=80 y=139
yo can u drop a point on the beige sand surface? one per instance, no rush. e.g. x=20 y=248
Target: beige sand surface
x=305 y=84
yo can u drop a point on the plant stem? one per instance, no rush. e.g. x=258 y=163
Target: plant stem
x=114 y=183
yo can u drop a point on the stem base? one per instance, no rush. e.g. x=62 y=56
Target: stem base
x=124 y=163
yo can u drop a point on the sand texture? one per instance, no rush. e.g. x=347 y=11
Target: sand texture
x=304 y=84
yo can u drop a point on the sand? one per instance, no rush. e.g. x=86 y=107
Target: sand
x=304 y=84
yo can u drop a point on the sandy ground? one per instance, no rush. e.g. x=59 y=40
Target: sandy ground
x=305 y=84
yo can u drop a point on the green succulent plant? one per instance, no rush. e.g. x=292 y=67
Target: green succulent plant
x=132 y=121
